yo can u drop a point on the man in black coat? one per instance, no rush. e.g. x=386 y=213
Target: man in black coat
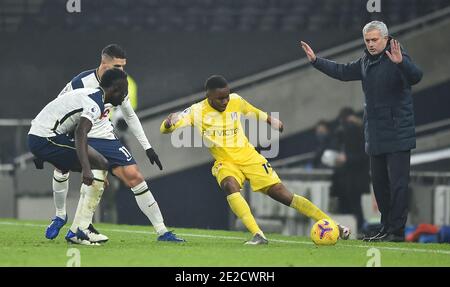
x=387 y=74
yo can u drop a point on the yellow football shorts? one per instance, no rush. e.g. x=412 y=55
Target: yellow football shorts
x=261 y=176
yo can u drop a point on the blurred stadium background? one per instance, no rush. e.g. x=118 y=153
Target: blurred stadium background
x=172 y=47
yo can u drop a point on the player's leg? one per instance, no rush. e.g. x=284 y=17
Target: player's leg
x=48 y=150
x=263 y=178
x=82 y=231
x=60 y=185
x=133 y=178
x=280 y=193
x=230 y=179
x=241 y=209
x=60 y=151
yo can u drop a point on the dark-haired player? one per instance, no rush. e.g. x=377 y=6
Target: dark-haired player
x=112 y=57
x=76 y=112
x=218 y=120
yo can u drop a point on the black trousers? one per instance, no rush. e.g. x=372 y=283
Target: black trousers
x=390 y=179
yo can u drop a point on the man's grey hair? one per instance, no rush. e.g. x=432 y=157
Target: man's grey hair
x=376 y=25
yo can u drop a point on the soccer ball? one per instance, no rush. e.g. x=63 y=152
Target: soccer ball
x=325 y=232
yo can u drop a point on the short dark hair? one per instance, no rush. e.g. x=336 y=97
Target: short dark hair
x=215 y=82
x=114 y=51
x=112 y=75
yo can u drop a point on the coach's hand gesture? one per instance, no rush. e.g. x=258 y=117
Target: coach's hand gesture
x=309 y=52
x=396 y=53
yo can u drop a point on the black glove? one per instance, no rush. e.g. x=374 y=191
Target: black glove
x=153 y=157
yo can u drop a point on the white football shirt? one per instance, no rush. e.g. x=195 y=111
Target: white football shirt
x=62 y=115
x=89 y=79
x=103 y=128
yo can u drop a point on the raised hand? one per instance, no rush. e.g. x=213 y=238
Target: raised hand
x=396 y=53
x=309 y=52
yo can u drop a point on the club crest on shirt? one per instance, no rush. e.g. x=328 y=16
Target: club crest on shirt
x=105 y=113
x=234 y=116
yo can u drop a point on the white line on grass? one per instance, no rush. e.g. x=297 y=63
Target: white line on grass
x=342 y=244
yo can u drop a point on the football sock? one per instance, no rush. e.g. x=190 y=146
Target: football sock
x=307 y=208
x=94 y=194
x=60 y=187
x=149 y=207
x=77 y=217
x=89 y=200
x=241 y=209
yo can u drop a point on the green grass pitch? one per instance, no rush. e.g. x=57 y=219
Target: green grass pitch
x=22 y=243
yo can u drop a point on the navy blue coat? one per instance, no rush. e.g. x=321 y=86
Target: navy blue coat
x=388 y=110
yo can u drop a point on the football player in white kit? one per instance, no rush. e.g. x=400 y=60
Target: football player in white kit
x=123 y=164
x=76 y=113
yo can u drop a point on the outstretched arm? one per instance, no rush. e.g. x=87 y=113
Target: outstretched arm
x=250 y=111
x=175 y=121
x=134 y=123
x=275 y=123
x=135 y=126
x=308 y=51
x=344 y=72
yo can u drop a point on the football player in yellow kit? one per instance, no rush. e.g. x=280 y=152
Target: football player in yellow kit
x=218 y=119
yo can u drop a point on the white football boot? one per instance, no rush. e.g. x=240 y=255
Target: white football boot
x=79 y=237
x=95 y=236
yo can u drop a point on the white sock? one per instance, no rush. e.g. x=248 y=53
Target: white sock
x=89 y=200
x=60 y=188
x=77 y=217
x=149 y=207
x=96 y=192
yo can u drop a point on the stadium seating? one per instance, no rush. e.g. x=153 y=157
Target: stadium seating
x=207 y=15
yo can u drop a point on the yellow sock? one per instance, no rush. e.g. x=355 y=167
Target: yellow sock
x=307 y=208
x=241 y=209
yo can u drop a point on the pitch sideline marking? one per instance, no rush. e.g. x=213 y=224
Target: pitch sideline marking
x=438 y=251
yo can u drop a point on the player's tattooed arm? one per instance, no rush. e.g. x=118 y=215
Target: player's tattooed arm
x=176 y=120
x=171 y=120
x=275 y=123
x=84 y=126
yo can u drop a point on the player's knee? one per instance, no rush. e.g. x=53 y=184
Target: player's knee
x=59 y=176
x=280 y=194
x=230 y=186
x=133 y=177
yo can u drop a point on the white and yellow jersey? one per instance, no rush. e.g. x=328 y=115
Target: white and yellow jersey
x=222 y=132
